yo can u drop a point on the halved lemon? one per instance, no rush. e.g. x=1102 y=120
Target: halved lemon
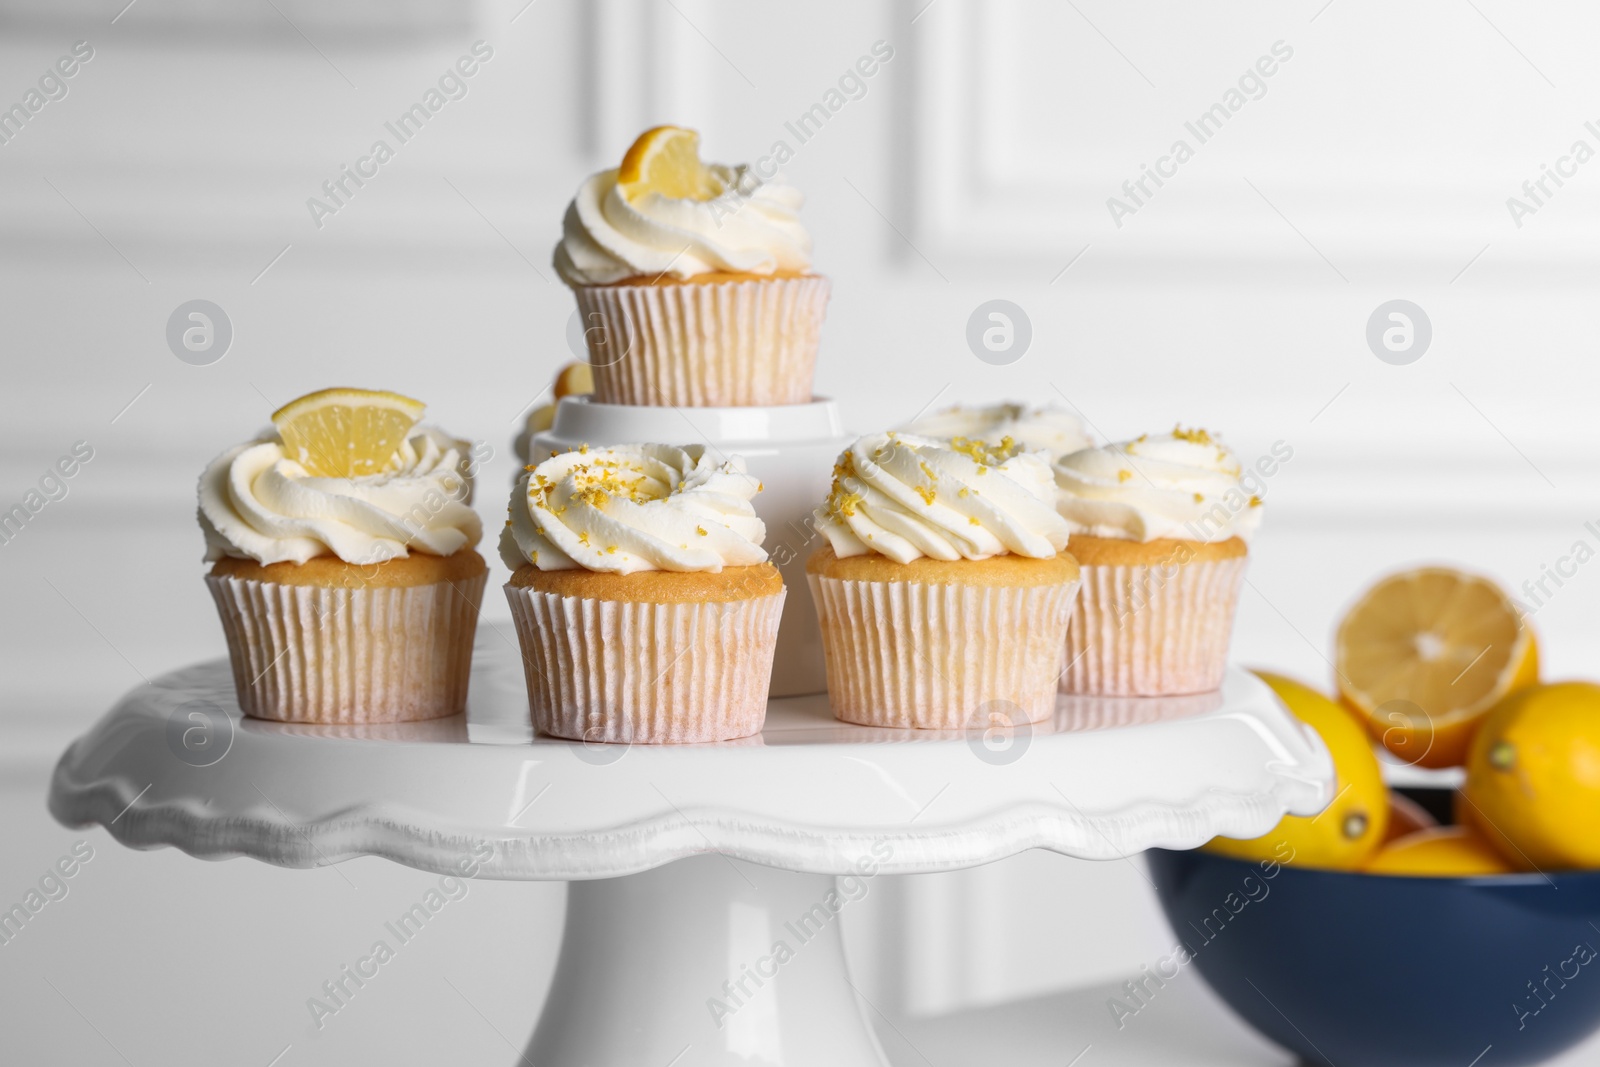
x=346 y=433
x=1424 y=654
x=666 y=160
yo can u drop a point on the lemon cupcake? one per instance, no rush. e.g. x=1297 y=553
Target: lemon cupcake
x=943 y=592
x=644 y=603
x=1050 y=428
x=693 y=280
x=1160 y=525
x=344 y=566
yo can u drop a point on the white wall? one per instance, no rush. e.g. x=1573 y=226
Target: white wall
x=976 y=165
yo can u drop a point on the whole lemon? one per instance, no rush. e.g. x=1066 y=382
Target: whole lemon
x=1344 y=834
x=1533 y=777
x=1438 y=852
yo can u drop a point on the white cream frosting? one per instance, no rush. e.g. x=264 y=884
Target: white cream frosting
x=906 y=496
x=1050 y=428
x=753 y=228
x=634 y=508
x=1183 y=485
x=256 y=503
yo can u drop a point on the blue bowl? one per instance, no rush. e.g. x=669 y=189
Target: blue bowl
x=1365 y=970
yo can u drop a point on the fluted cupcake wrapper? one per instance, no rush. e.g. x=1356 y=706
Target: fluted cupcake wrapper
x=374 y=654
x=941 y=656
x=707 y=344
x=1153 y=630
x=643 y=673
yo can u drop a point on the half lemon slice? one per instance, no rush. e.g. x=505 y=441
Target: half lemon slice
x=346 y=433
x=1424 y=654
x=666 y=160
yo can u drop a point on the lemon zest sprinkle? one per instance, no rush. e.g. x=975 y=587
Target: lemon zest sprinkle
x=1196 y=436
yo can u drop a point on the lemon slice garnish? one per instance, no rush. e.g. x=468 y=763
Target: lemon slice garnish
x=346 y=433
x=666 y=160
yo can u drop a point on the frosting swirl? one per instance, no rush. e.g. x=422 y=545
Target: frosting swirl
x=753 y=227
x=634 y=508
x=906 y=496
x=257 y=503
x=1050 y=428
x=1183 y=485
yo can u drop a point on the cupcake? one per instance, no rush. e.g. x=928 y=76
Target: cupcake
x=943 y=591
x=644 y=603
x=1051 y=429
x=1159 y=525
x=693 y=280
x=343 y=562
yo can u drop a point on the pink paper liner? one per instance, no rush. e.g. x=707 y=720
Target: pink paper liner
x=711 y=344
x=933 y=657
x=327 y=655
x=1153 y=630
x=641 y=673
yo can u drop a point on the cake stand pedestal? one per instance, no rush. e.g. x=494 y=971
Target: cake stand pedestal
x=707 y=881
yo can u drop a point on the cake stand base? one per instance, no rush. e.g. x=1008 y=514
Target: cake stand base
x=705 y=962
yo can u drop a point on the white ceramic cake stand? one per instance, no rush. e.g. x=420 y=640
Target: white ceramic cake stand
x=702 y=915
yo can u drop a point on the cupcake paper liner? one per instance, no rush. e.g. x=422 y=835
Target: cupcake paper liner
x=321 y=654
x=933 y=657
x=642 y=673
x=710 y=344
x=1153 y=630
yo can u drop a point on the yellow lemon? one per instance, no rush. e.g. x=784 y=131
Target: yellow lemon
x=541 y=418
x=1533 y=777
x=1424 y=654
x=1438 y=852
x=666 y=160
x=1354 y=822
x=346 y=433
x=574 y=379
